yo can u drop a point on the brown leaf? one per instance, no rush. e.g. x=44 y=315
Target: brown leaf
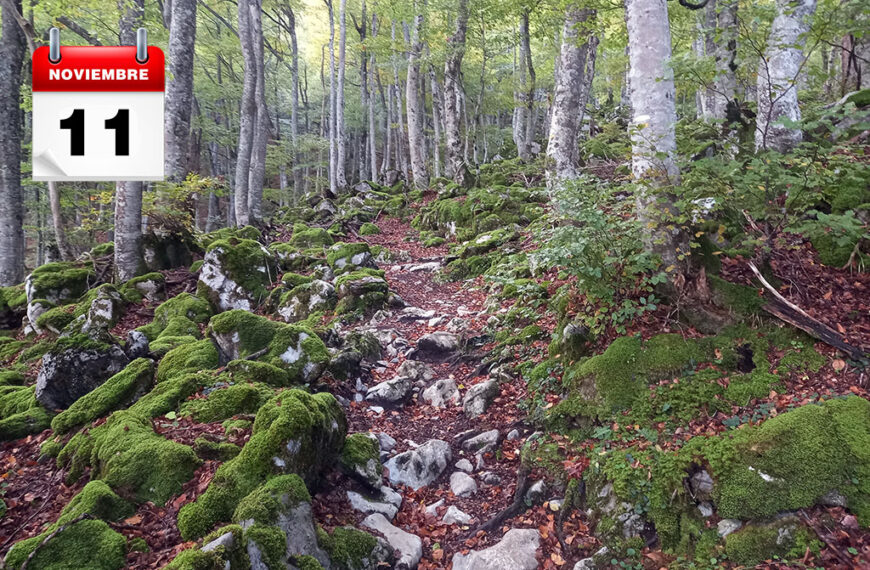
x=838 y=365
x=841 y=328
x=134 y=520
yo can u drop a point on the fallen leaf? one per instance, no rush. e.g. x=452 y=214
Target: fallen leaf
x=134 y=520
x=838 y=365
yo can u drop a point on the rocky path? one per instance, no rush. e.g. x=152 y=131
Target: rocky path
x=449 y=437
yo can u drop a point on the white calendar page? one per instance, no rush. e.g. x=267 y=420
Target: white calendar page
x=98 y=115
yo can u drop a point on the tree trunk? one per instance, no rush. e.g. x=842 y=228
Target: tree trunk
x=12 y=51
x=365 y=170
x=572 y=88
x=57 y=222
x=179 y=88
x=415 y=109
x=294 y=105
x=333 y=125
x=340 y=129
x=260 y=139
x=725 y=83
x=524 y=123
x=372 y=140
x=654 y=116
x=452 y=93
x=247 y=116
x=436 y=122
x=778 y=74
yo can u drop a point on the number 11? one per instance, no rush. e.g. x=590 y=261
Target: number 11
x=120 y=123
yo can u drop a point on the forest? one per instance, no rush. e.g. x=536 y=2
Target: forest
x=467 y=284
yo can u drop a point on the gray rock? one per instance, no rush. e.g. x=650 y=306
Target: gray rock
x=462 y=484
x=223 y=288
x=513 y=434
x=386 y=442
x=391 y=392
x=536 y=493
x=455 y=516
x=515 y=551
x=391 y=496
x=103 y=314
x=137 y=345
x=457 y=325
x=437 y=346
x=297 y=522
x=442 y=393
x=834 y=499
x=306 y=299
x=227 y=540
x=483 y=443
x=68 y=374
x=417 y=468
x=415 y=314
x=367 y=506
x=416 y=370
x=702 y=485
x=432 y=509
x=428 y=266
x=408 y=546
x=479 y=397
x=706 y=509
x=727 y=526
x=490 y=478
x=464 y=465
x=590 y=564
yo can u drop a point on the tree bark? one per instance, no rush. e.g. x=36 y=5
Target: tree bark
x=778 y=74
x=179 y=88
x=247 y=116
x=654 y=116
x=333 y=125
x=12 y=51
x=436 y=122
x=372 y=139
x=294 y=105
x=524 y=121
x=257 y=172
x=415 y=109
x=340 y=128
x=57 y=222
x=452 y=94
x=725 y=51
x=572 y=89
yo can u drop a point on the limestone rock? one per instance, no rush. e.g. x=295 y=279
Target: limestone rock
x=419 y=467
x=456 y=516
x=479 y=397
x=416 y=370
x=482 y=443
x=236 y=274
x=442 y=393
x=69 y=371
x=462 y=484
x=408 y=546
x=367 y=506
x=437 y=346
x=390 y=392
x=515 y=551
x=303 y=300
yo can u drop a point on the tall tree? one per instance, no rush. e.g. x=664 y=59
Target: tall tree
x=778 y=75
x=294 y=105
x=340 y=128
x=372 y=84
x=247 y=115
x=12 y=51
x=524 y=123
x=261 y=125
x=415 y=108
x=653 y=136
x=179 y=88
x=572 y=89
x=128 y=194
x=452 y=94
x=333 y=126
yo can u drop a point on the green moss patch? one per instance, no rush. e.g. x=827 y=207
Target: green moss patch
x=187 y=358
x=224 y=403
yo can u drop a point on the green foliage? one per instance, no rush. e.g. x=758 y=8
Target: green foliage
x=277 y=495
x=835 y=236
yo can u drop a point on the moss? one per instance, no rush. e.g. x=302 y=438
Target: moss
x=739 y=298
x=10 y=347
x=166 y=395
x=226 y=402
x=473 y=266
x=16 y=399
x=306 y=562
x=744 y=388
x=755 y=543
x=434 y=241
x=348 y=547
x=277 y=494
x=138 y=288
x=86 y=544
x=130 y=457
x=245 y=232
x=236 y=424
x=137 y=544
x=56 y=319
x=13 y=298
x=195 y=559
x=25 y=423
x=360 y=456
x=103 y=249
x=195 y=266
x=50 y=448
x=11 y=378
x=343 y=257
x=804 y=359
x=248 y=267
x=369 y=229
x=33 y=352
x=271 y=541
x=60 y=281
x=118 y=391
x=291 y=280
x=255 y=371
x=184 y=305
x=212 y=450
x=295 y=432
x=165 y=343
x=305 y=237
x=187 y=358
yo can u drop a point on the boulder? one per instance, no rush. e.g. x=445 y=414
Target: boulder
x=408 y=546
x=303 y=300
x=483 y=443
x=361 y=291
x=419 y=467
x=478 y=398
x=416 y=370
x=462 y=484
x=151 y=287
x=167 y=249
x=343 y=257
x=515 y=551
x=455 y=516
x=442 y=393
x=236 y=274
x=59 y=283
x=368 y=506
x=391 y=392
x=360 y=457
x=75 y=366
x=436 y=347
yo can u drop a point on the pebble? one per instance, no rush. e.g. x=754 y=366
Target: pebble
x=465 y=465
x=462 y=484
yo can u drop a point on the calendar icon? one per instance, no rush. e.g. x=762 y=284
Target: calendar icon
x=98 y=114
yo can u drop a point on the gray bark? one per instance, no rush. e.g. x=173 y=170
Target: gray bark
x=294 y=106
x=572 y=89
x=654 y=116
x=778 y=75
x=57 y=222
x=436 y=122
x=333 y=125
x=415 y=109
x=12 y=51
x=372 y=140
x=247 y=116
x=179 y=88
x=340 y=129
x=257 y=171
x=452 y=94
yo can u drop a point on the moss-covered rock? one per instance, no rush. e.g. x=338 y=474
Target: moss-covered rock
x=223 y=403
x=295 y=432
x=786 y=538
x=305 y=299
x=60 y=282
x=361 y=291
x=305 y=237
x=187 y=358
x=354 y=549
x=256 y=371
x=245 y=232
x=117 y=392
x=150 y=287
x=236 y=274
x=184 y=305
x=343 y=257
x=168 y=394
x=369 y=229
x=22 y=424
x=215 y=450
x=263 y=504
x=360 y=457
x=56 y=319
x=130 y=457
x=164 y=248
x=290 y=347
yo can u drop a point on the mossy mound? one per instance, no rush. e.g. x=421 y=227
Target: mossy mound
x=360 y=457
x=168 y=394
x=59 y=282
x=349 y=548
x=369 y=229
x=256 y=371
x=223 y=403
x=185 y=306
x=293 y=348
x=151 y=286
x=362 y=291
x=263 y=504
x=343 y=257
x=20 y=413
x=295 y=432
x=245 y=232
x=187 y=358
x=786 y=539
x=117 y=392
x=306 y=299
x=131 y=458
x=305 y=237
x=236 y=274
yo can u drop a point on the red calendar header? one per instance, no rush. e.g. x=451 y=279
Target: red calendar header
x=98 y=68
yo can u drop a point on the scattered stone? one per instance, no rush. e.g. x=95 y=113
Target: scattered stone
x=415 y=314
x=589 y=563
x=436 y=347
x=464 y=465
x=483 y=443
x=386 y=442
x=490 y=478
x=479 y=397
x=457 y=325
x=513 y=434
x=409 y=546
x=706 y=509
x=436 y=321
x=462 y=484
x=416 y=370
x=419 y=467
x=515 y=551
x=455 y=516
x=555 y=505
x=834 y=499
x=428 y=266
x=137 y=345
x=536 y=493
x=702 y=485
x=69 y=372
x=442 y=393
x=432 y=509
x=727 y=526
x=368 y=506
x=391 y=392
x=390 y=496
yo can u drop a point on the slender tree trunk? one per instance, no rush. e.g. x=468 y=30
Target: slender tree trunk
x=415 y=110
x=333 y=124
x=778 y=75
x=436 y=122
x=57 y=222
x=179 y=88
x=340 y=128
x=725 y=50
x=12 y=51
x=653 y=104
x=452 y=93
x=294 y=106
x=257 y=171
x=372 y=140
x=572 y=88
x=247 y=115
x=523 y=97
